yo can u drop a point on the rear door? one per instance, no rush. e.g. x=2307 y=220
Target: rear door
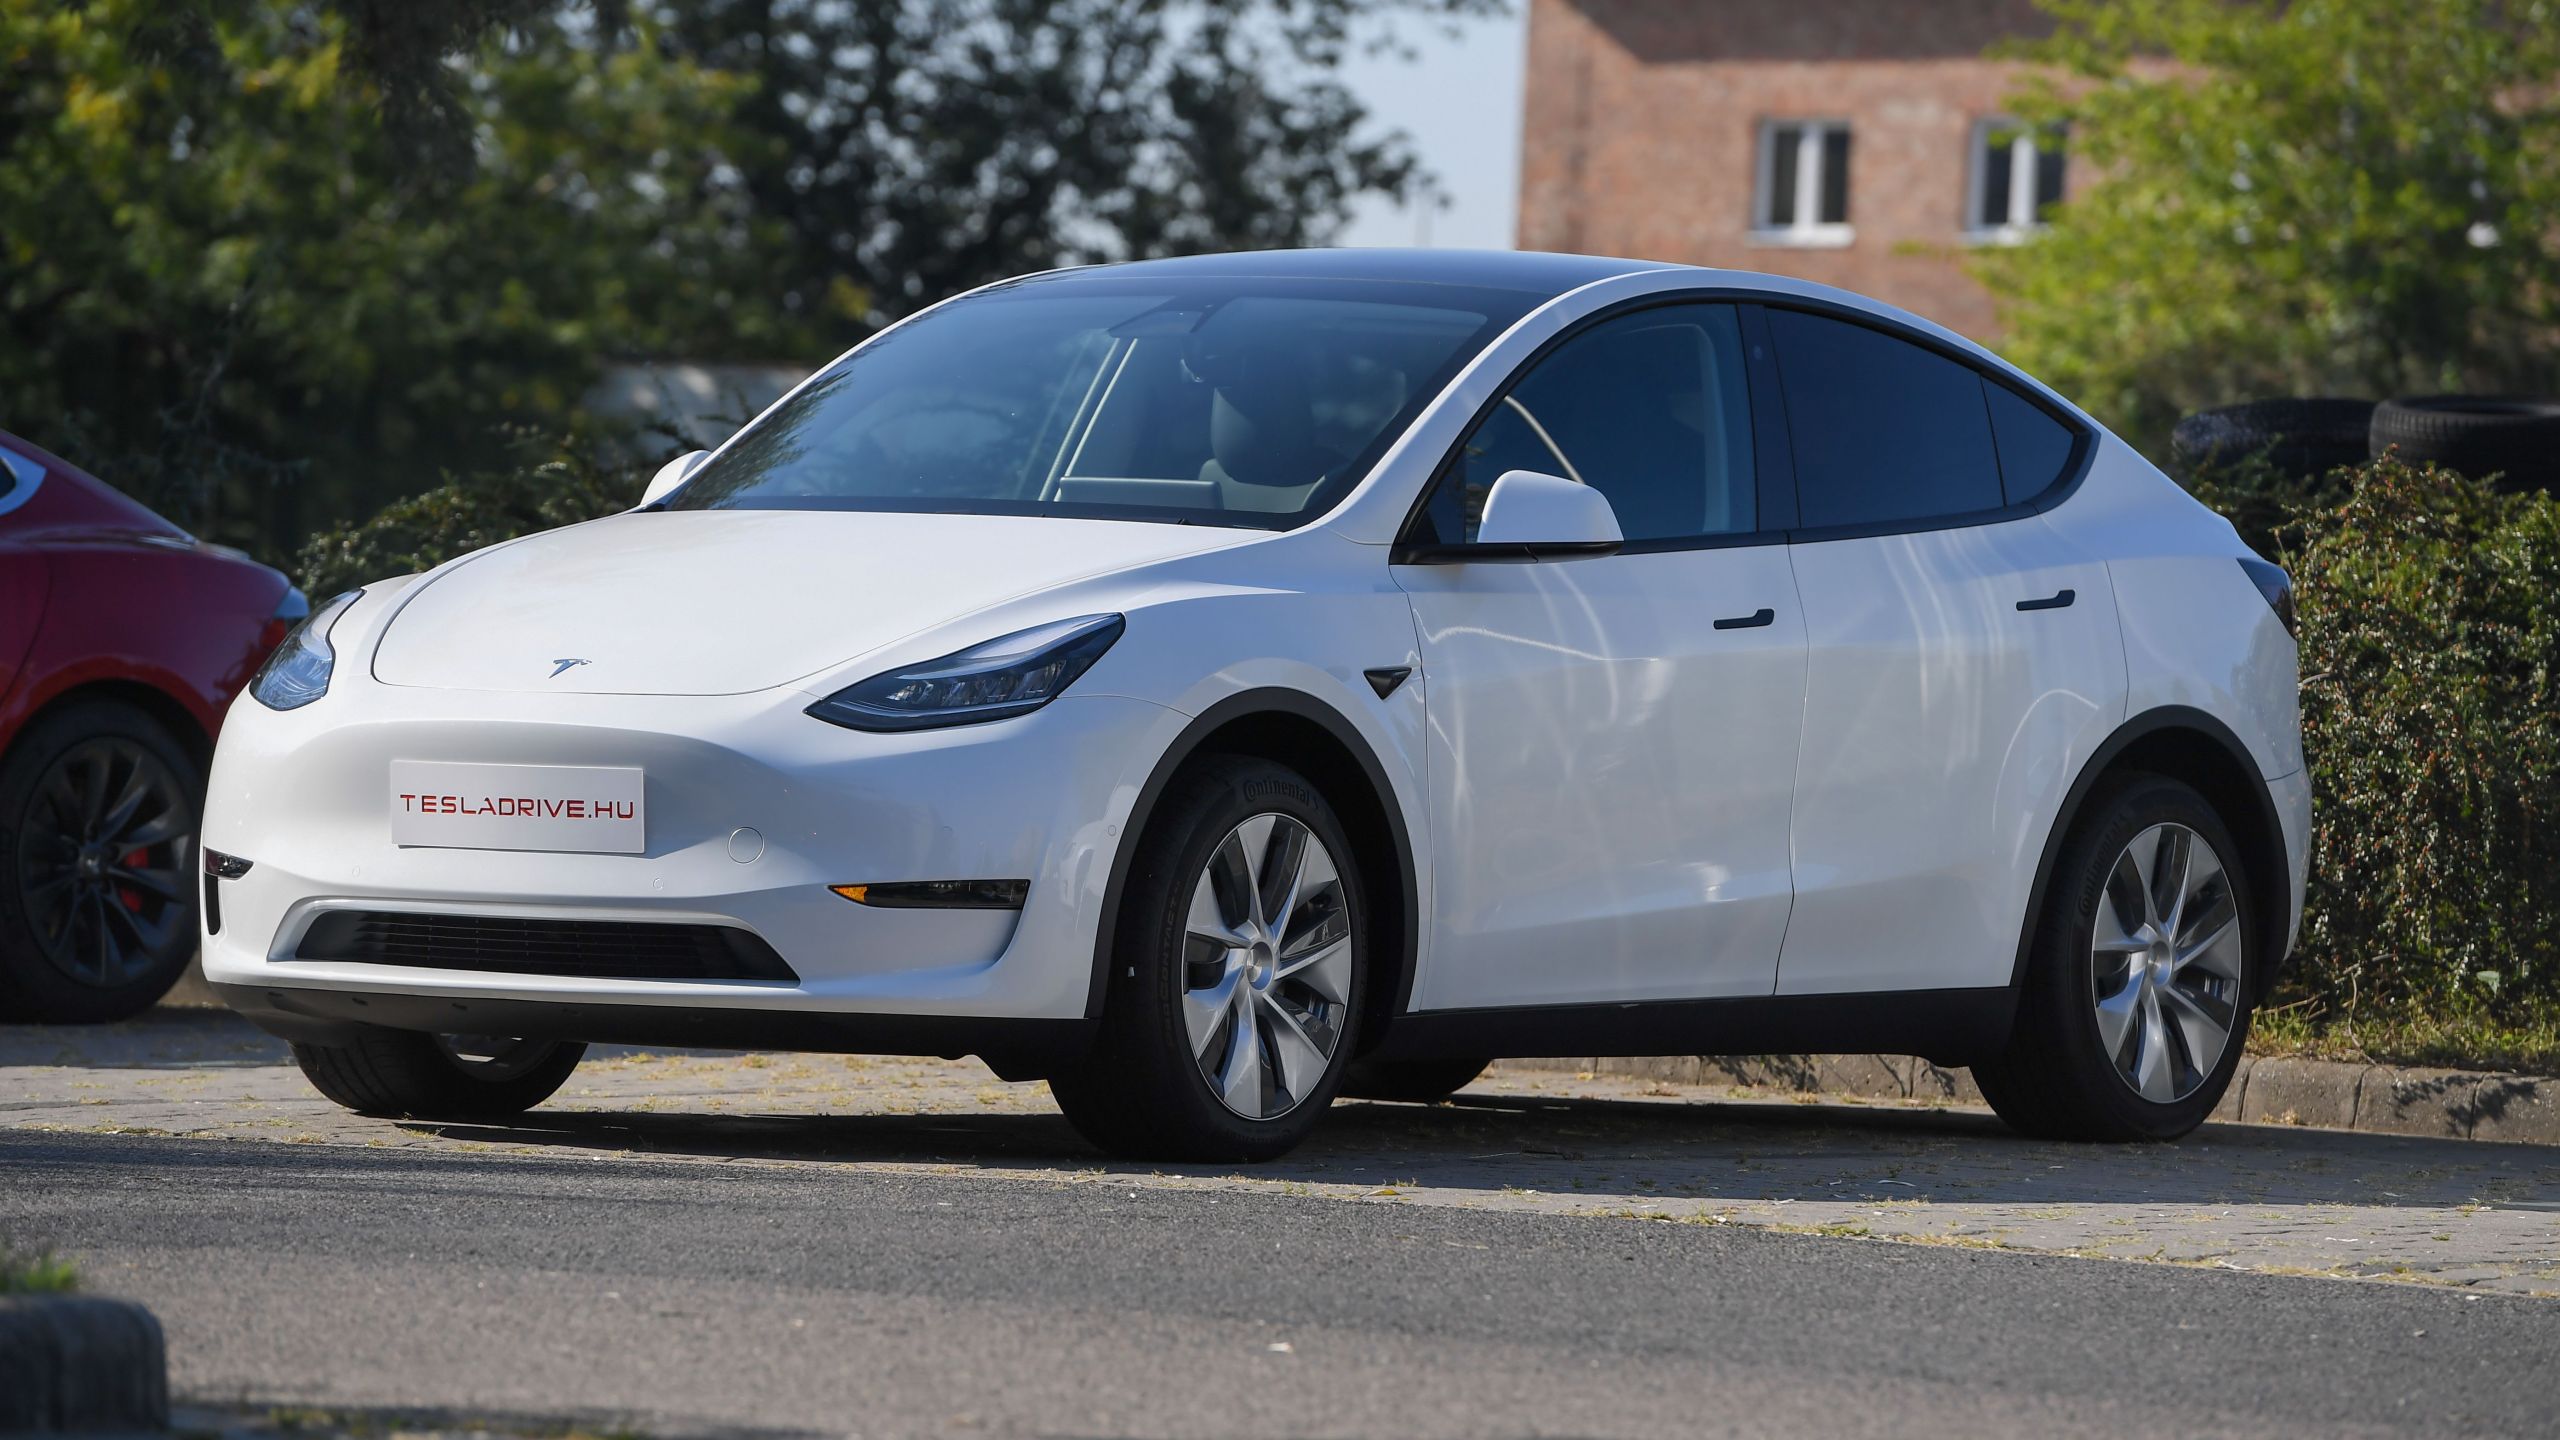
x=1962 y=657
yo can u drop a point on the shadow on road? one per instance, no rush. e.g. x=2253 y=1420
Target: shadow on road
x=167 y=1038
x=1504 y=1137
x=252 y=1418
x=1610 y=1148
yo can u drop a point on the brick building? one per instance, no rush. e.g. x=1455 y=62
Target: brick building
x=1861 y=143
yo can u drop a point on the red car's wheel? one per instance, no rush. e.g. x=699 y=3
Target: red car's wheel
x=98 y=813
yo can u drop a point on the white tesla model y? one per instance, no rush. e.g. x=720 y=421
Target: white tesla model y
x=1214 y=685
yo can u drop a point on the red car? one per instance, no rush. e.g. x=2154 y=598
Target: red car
x=122 y=641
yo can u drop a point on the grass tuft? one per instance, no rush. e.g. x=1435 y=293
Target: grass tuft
x=2528 y=1042
x=35 y=1272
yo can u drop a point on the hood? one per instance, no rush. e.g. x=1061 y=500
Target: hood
x=722 y=602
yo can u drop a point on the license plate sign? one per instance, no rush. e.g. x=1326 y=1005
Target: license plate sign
x=590 y=809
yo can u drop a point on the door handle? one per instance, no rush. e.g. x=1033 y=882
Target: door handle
x=2059 y=599
x=1753 y=621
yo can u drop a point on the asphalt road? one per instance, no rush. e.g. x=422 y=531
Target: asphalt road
x=679 y=1297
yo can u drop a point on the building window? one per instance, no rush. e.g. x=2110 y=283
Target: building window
x=2016 y=176
x=1802 y=193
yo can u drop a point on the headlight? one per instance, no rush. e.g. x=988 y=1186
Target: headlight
x=298 y=672
x=1012 y=675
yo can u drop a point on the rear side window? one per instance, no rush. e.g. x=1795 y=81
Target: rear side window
x=1884 y=430
x=18 y=478
x=1651 y=409
x=2035 y=448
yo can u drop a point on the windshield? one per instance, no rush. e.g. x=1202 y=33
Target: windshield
x=1225 y=402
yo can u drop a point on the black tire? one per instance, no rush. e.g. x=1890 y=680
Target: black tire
x=408 y=1075
x=1141 y=1093
x=2513 y=437
x=2306 y=437
x=97 y=898
x=2056 y=1079
x=1418 y=1082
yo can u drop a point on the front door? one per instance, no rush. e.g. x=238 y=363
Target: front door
x=1612 y=737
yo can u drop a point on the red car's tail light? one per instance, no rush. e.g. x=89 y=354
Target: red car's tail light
x=292 y=610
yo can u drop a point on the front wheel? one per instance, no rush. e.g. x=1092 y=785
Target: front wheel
x=1236 y=974
x=2139 y=978
x=408 y=1075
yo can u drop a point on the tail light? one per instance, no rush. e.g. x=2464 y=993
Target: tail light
x=2277 y=586
x=292 y=610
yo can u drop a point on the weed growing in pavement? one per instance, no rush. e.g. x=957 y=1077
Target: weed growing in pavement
x=35 y=1272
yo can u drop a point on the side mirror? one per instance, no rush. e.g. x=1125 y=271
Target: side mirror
x=1548 y=514
x=671 y=475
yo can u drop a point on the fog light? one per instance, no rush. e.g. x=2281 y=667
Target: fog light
x=218 y=867
x=939 y=894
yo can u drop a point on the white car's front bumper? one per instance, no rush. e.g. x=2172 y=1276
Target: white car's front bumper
x=2292 y=797
x=304 y=796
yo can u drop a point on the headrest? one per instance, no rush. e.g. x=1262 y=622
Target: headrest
x=1261 y=417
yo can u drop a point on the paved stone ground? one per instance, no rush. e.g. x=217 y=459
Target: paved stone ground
x=2266 y=1198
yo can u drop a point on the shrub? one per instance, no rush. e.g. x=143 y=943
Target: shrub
x=553 y=481
x=2430 y=612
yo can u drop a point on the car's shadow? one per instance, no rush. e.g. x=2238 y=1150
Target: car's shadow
x=1701 y=1149
x=1612 y=1152
x=163 y=1038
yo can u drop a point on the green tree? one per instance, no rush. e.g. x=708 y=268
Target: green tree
x=2292 y=197
x=269 y=265
x=918 y=147
x=228 y=286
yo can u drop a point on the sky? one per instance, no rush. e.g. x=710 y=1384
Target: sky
x=1460 y=101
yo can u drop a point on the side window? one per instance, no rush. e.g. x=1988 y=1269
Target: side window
x=1653 y=410
x=18 y=479
x=2034 y=447
x=1884 y=430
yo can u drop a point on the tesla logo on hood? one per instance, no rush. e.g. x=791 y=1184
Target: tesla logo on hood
x=563 y=667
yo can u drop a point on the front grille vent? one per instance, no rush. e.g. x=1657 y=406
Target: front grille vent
x=592 y=949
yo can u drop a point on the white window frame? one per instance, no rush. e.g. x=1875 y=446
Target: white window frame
x=1806 y=230
x=2023 y=152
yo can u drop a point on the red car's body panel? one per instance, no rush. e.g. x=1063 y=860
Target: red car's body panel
x=96 y=592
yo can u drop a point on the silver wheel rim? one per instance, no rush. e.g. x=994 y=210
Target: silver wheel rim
x=1266 y=973
x=494 y=1057
x=2165 y=957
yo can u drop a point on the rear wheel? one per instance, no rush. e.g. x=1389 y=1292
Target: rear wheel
x=408 y=1075
x=98 y=814
x=1419 y=1082
x=1236 y=974
x=2139 y=979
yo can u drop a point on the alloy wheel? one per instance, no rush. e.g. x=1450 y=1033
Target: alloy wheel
x=102 y=854
x=2165 y=963
x=1267 y=966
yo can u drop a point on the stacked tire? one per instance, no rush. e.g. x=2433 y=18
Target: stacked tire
x=2305 y=437
x=2514 y=438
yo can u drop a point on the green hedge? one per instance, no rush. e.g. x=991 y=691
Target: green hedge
x=551 y=481
x=2430 y=609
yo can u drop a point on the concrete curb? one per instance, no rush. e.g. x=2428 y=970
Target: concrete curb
x=77 y=1362
x=2327 y=1094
